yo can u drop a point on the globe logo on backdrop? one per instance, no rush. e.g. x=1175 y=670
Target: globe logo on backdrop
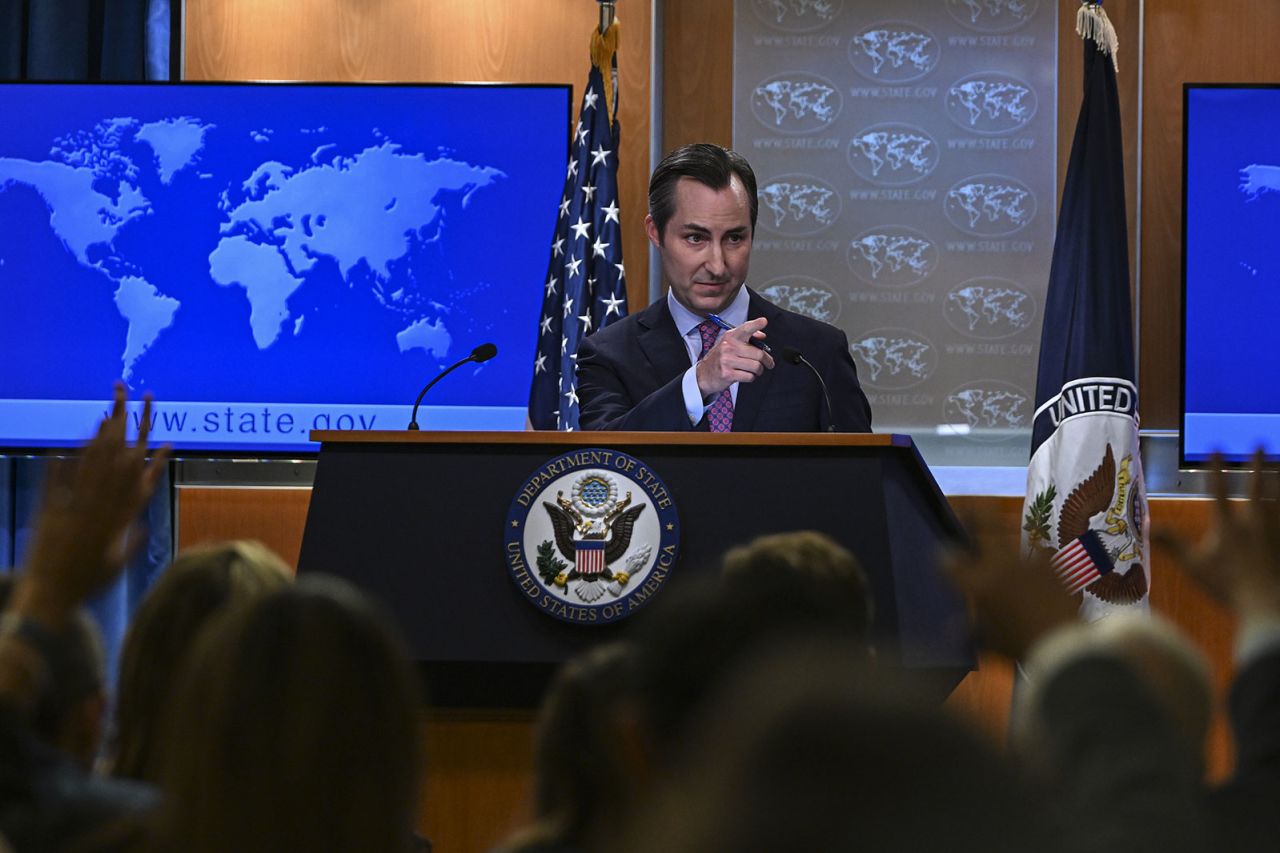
x=797 y=16
x=892 y=154
x=989 y=308
x=892 y=256
x=798 y=205
x=986 y=410
x=894 y=52
x=992 y=16
x=796 y=102
x=890 y=359
x=991 y=103
x=990 y=205
x=803 y=295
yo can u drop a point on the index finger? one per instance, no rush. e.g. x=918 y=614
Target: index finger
x=144 y=426
x=750 y=327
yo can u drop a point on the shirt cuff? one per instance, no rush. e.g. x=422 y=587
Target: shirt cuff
x=693 y=405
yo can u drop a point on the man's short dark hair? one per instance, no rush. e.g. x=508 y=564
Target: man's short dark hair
x=709 y=165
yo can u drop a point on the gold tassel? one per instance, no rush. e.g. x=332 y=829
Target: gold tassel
x=1092 y=23
x=604 y=46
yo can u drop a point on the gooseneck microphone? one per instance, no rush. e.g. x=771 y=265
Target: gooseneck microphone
x=793 y=355
x=484 y=352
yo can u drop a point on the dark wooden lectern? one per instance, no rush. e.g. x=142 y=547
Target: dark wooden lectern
x=417 y=519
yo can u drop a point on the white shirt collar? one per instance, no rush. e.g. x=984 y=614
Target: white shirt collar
x=686 y=321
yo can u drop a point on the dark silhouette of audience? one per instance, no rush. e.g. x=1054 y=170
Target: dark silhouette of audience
x=808 y=749
x=744 y=713
x=583 y=779
x=200 y=584
x=298 y=723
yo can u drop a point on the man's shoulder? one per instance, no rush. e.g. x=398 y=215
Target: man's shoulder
x=628 y=327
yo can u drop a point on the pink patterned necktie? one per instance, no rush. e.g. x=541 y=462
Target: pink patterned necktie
x=720 y=412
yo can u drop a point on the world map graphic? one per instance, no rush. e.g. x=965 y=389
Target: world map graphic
x=338 y=259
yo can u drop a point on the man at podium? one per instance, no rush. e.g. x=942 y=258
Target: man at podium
x=713 y=354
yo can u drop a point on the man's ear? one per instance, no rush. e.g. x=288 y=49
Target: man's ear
x=651 y=228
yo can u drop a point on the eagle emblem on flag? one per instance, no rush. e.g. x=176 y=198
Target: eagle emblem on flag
x=1099 y=528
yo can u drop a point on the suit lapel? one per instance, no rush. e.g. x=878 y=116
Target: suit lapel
x=751 y=395
x=660 y=341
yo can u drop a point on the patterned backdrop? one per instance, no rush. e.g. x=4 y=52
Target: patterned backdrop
x=905 y=151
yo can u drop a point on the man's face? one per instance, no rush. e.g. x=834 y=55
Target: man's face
x=706 y=247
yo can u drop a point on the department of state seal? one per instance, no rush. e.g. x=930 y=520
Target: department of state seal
x=592 y=536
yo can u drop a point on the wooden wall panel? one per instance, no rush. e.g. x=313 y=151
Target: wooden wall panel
x=1186 y=42
x=273 y=516
x=697 y=72
x=516 y=41
x=479 y=777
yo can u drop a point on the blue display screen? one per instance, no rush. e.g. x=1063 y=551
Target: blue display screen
x=1231 y=298
x=267 y=259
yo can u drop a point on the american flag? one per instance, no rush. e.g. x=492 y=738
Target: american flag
x=585 y=286
x=1081 y=562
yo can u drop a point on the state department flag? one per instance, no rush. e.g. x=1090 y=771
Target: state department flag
x=585 y=287
x=1086 y=502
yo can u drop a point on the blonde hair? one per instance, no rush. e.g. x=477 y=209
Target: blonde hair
x=201 y=583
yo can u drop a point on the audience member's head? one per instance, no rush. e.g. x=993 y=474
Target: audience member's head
x=200 y=584
x=582 y=785
x=806 y=571
x=70 y=713
x=809 y=749
x=1164 y=661
x=299 y=720
x=772 y=590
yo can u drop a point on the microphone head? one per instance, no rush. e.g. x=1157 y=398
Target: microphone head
x=791 y=354
x=484 y=352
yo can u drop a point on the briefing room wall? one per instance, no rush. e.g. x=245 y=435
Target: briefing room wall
x=512 y=41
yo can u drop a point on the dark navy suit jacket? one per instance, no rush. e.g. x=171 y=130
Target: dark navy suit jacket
x=629 y=377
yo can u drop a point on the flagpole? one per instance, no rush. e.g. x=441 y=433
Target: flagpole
x=607 y=14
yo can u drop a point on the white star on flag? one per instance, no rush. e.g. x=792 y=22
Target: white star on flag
x=571 y=268
x=599 y=156
x=588 y=191
x=540 y=363
x=598 y=247
x=611 y=212
x=546 y=325
x=589 y=100
x=581 y=228
x=586 y=322
x=557 y=248
x=568 y=306
x=614 y=306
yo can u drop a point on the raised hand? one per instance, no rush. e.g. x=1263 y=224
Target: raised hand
x=87 y=527
x=1238 y=560
x=734 y=359
x=1014 y=600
